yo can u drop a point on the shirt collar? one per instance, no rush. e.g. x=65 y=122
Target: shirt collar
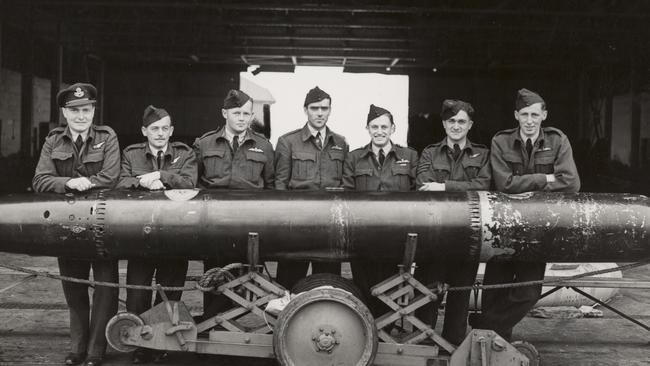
x=225 y=134
x=154 y=151
x=451 y=145
x=522 y=140
x=387 y=148
x=468 y=145
x=84 y=136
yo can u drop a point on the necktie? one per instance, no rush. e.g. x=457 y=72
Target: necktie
x=235 y=144
x=456 y=153
x=79 y=143
x=159 y=160
x=529 y=147
x=382 y=158
x=319 y=143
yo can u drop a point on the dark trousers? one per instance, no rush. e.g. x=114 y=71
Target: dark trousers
x=140 y=271
x=87 y=328
x=456 y=274
x=291 y=271
x=368 y=273
x=214 y=304
x=502 y=309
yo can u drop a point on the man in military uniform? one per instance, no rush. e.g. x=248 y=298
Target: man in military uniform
x=454 y=164
x=153 y=165
x=77 y=158
x=233 y=157
x=309 y=158
x=524 y=159
x=379 y=166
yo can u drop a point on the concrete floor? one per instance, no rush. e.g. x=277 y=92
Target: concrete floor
x=34 y=326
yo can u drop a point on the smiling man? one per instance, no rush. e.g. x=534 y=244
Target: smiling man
x=153 y=165
x=453 y=164
x=527 y=158
x=379 y=166
x=77 y=158
x=232 y=157
x=309 y=158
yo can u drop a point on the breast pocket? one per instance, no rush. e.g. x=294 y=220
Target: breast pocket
x=254 y=164
x=303 y=165
x=362 y=179
x=441 y=171
x=336 y=163
x=402 y=173
x=63 y=162
x=515 y=163
x=471 y=168
x=214 y=164
x=544 y=163
x=93 y=161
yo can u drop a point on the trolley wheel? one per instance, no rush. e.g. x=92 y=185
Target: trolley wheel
x=529 y=351
x=117 y=330
x=327 y=279
x=325 y=327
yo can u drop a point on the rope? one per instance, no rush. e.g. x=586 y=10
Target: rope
x=208 y=282
x=214 y=277
x=558 y=281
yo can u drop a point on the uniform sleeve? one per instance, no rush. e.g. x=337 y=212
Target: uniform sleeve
x=424 y=172
x=564 y=169
x=414 y=167
x=127 y=180
x=199 y=160
x=348 y=172
x=269 y=170
x=110 y=172
x=282 y=165
x=46 y=178
x=507 y=182
x=479 y=183
x=186 y=177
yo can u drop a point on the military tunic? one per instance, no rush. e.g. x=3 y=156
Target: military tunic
x=179 y=168
x=178 y=171
x=469 y=171
x=300 y=164
x=514 y=171
x=251 y=167
x=99 y=161
x=361 y=172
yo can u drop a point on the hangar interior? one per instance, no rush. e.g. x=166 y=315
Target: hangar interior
x=589 y=59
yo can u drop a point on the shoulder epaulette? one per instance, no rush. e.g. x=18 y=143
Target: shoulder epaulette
x=208 y=134
x=506 y=132
x=553 y=130
x=259 y=134
x=358 y=149
x=180 y=145
x=140 y=145
x=292 y=132
x=433 y=145
x=56 y=131
x=481 y=146
x=405 y=147
x=104 y=128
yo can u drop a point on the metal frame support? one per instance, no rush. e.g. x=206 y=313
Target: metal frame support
x=396 y=292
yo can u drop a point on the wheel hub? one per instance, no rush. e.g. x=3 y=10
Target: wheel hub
x=325 y=339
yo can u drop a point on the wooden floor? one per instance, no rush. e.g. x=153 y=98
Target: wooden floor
x=34 y=327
